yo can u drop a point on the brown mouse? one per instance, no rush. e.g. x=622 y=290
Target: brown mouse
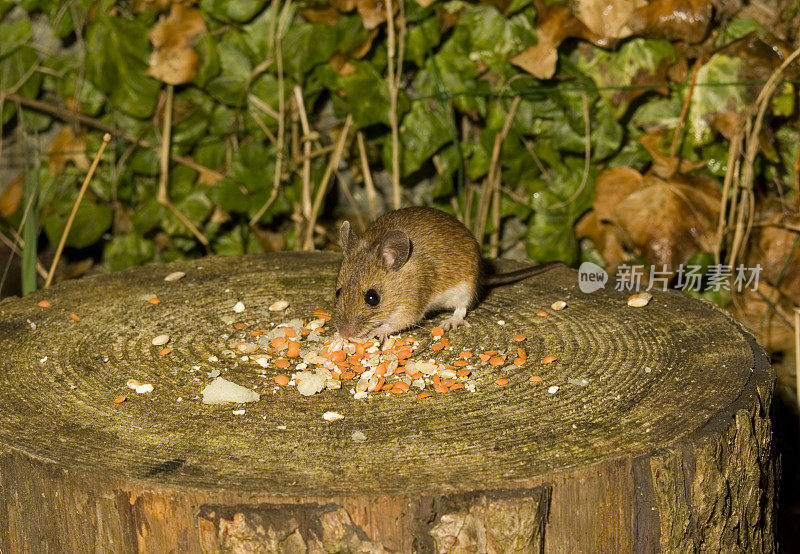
x=407 y=263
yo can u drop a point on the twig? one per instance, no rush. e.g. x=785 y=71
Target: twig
x=315 y=154
x=110 y=129
x=305 y=192
x=333 y=162
x=493 y=178
x=685 y=109
x=276 y=182
x=369 y=185
x=62 y=241
x=163 y=177
x=796 y=176
x=348 y=194
x=11 y=245
x=393 y=91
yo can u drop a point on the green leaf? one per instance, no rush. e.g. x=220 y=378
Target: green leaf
x=91 y=221
x=14 y=35
x=147 y=215
x=237 y=11
x=422 y=39
x=236 y=59
x=707 y=101
x=128 y=250
x=350 y=33
x=196 y=207
x=209 y=66
x=305 y=46
x=13 y=69
x=253 y=166
x=237 y=242
x=550 y=237
x=116 y=63
x=423 y=131
x=367 y=96
x=228 y=194
x=736 y=29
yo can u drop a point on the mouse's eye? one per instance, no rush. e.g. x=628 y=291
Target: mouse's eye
x=372 y=298
x=338 y=292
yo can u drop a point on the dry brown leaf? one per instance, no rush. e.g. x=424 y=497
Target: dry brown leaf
x=608 y=18
x=612 y=187
x=11 y=197
x=140 y=6
x=341 y=65
x=667 y=222
x=361 y=50
x=775 y=248
x=687 y=20
x=328 y=16
x=761 y=317
x=554 y=24
x=664 y=165
x=67 y=147
x=344 y=5
x=173 y=60
x=425 y=3
x=604 y=236
x=373 y=12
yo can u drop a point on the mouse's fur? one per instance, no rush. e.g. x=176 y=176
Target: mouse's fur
x=416 y=259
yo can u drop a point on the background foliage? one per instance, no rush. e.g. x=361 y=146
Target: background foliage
x=509 y=113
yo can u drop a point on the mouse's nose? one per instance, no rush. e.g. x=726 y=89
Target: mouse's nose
x=347 y=329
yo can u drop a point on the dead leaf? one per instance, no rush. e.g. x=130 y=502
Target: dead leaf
x=554 y=24
x=328 y=15
x=344 y=5
x=173 y=60
x=776 y=249
x=608 y=18
x=612 y=187
x=341 y=65
x=425 y=3
x=362 y=50
x=686 y=20
x=373 y=12
x=761 y=316
x=664 y=165
x=141 y=6
x=12 y=196
x=604 y=236
x=667 y=222
x=67 y=147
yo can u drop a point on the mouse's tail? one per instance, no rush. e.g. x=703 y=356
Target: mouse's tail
x=496 y=279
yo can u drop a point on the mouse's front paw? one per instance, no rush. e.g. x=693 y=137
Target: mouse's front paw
x=454 y=323
x=380 y=333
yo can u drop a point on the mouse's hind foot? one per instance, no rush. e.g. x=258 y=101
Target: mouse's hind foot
x=456 y=320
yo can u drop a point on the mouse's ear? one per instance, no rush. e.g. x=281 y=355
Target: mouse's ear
x=347 y=238
x=395 y=249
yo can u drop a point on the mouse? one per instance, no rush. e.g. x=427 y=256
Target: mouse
x=409 y=262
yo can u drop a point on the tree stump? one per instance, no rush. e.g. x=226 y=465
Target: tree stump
x=657 y=439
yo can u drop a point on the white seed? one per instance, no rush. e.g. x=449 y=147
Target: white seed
x=332 y=416
x=238 y=307
x=246 y=347
x=143 y=388
x=558 y=305
x=213 y=359
x=175 y=275
x=645 y=295
x=333 y=384
x=279 y=306
x=553 y=389
x=132 y=383
x=238 y=412
x=501 y=322
x=161 y=340
x=638 y=302
x=360 y=395
x=358 y=436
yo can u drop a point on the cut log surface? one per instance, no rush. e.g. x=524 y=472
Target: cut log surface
x=658 y=437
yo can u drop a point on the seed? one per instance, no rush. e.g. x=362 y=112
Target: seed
x=521 y=353
x=347 y=375
x=144 y=388
x=396 y=390
x=456 y=386
x=277 y=342
x=497 y=360
x=501 y=381
x=74 y=318
x=490 y=352
x=417 y=375
x=121 y=398
x=437 y=346
x=132 y=383
x=160 y=340
x=445 y=342
x=423 y=395
x=463 y=372
x=484 y=357
x=154 y=300
x=387 y=386
x=440 y=389
x=282 y=363
x=548 y=359
x=553 y=389
x=289 y=332
x=338 y=356
x=164 y=351
x=437 y=332
x=279 y=306
x=519 y=338
x=519 y=361
x=541 y=314
x=636 y=301
x=558 y=305
x=332 y=416
x=460 y=363
x=174 y=276
x=282 y=380
x=466 y=354
x=238 y=307
x=535 y=379
x=43 y=304
x=293 y=350
x=246 y=347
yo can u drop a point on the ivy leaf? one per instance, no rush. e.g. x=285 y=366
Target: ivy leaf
x=236 y=60
x=147 y=215
x=237 y=242
x=230 y=197
x=128 y=250
x=209 y=66
x=423 y=131
x=15 y=67
x=305 y=46
x=116 y=63
x=367 y=96
x=550 y=237
x=91 y=221
x=238 y=11
x=422 y=39
x=708 y=101
x=196 y=207
x=14 y=35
